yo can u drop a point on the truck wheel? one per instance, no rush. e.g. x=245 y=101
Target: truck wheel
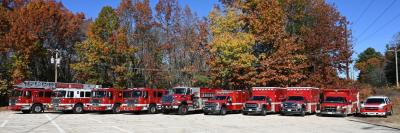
x=36 y=108
x=164 y=111
x=205 y=113
x=223 y=111
x=26 y=111
x=244 y=113
x=391 y=112
x=116 y=109
x=182 y=110
x=264 y=111
x=152 y=109
x=303 y=113
x=78 y=109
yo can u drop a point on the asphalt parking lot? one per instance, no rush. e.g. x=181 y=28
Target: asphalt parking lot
x=11 y=122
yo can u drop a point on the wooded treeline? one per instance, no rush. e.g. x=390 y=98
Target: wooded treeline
x=241 y=43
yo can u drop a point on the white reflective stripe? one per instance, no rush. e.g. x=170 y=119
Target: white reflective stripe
x=105 y=104
x=22 y=104
x=66 y=104
x=273 y=103
x=237 y=103
x=141 y=105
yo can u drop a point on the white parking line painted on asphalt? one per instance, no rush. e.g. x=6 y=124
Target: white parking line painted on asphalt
x=98 y=121
x=4 y=123
x=122 y=130
x=55 y=124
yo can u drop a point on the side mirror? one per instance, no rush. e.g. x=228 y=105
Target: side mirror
x=230 y=100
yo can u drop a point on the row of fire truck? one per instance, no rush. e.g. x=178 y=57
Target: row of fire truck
x=78 y=98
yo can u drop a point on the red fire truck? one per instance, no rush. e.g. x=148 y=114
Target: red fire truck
x=28 y=100
x=224 y=101
x=264 y=100
x=300 y=100
x=142 y=99
x=70 y=99
x=185 y=99
x=105 y=99
x=340 y=102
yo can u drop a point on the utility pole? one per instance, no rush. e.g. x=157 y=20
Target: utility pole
x=397 y=67
x=56 y=61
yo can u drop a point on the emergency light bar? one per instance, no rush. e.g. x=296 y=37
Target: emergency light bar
x=265 y=88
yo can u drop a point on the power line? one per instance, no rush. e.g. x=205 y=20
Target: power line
x=376 y=19
x=363 y=12
x=380 y=28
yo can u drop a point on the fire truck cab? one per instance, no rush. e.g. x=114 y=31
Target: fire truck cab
x=142 y=99
x=264 y=100
x=185 y=99
x=70 y=99
x=105 y=99
x=339 y=102
x=300 y=100
x=225 y=101
x=28 y=100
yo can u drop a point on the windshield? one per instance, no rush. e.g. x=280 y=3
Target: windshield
x=258 y=98
x=178 y=91
x=127 y=94
x=375 y=100
x=221 y=97
x=58 y=93
x=295 y=98
x=137 y=93
x=16 y=93
x=99 y=94
x=335 y=100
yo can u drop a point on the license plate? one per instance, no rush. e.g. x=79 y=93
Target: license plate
x=250 y=109
x=289 y=110
x=330 y=112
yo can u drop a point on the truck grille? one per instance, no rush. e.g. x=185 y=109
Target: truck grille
x=289 y=105
x=371 y=108
x=167 y=99
x=95 y=102
x=210 y=105
x=13 y=101
x=329 y=109
x=55 y=101
x=251 y=105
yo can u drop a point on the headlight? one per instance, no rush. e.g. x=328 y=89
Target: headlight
x=381 y=107
x=339 y=108
x=298 y=105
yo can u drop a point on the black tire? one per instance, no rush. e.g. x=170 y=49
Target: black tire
x=152 y=109
x=165 y=111
x=26 y=111
x=205 y=113
x=264 y=111
x=282 y=114
x=222 y=111
x=303 y=113
x=78 y=109
x=244 y=113
x=183 y=110
x=37 y=108
x=391 y=112
x=116 y=109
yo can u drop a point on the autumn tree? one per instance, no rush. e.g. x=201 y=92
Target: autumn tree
x=371 y=66
x=230 y=49
x=35 y=28
x=104 y=57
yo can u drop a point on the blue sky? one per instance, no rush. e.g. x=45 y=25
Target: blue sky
x=373 y=22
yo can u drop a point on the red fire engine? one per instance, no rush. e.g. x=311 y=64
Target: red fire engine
x=70 y=99
x=142 y=99
x=339 y=102
x=300 y=100
x=28 y=100
x=185 y=99
x=226 y=100
x=105 y=99
x=264 y=100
